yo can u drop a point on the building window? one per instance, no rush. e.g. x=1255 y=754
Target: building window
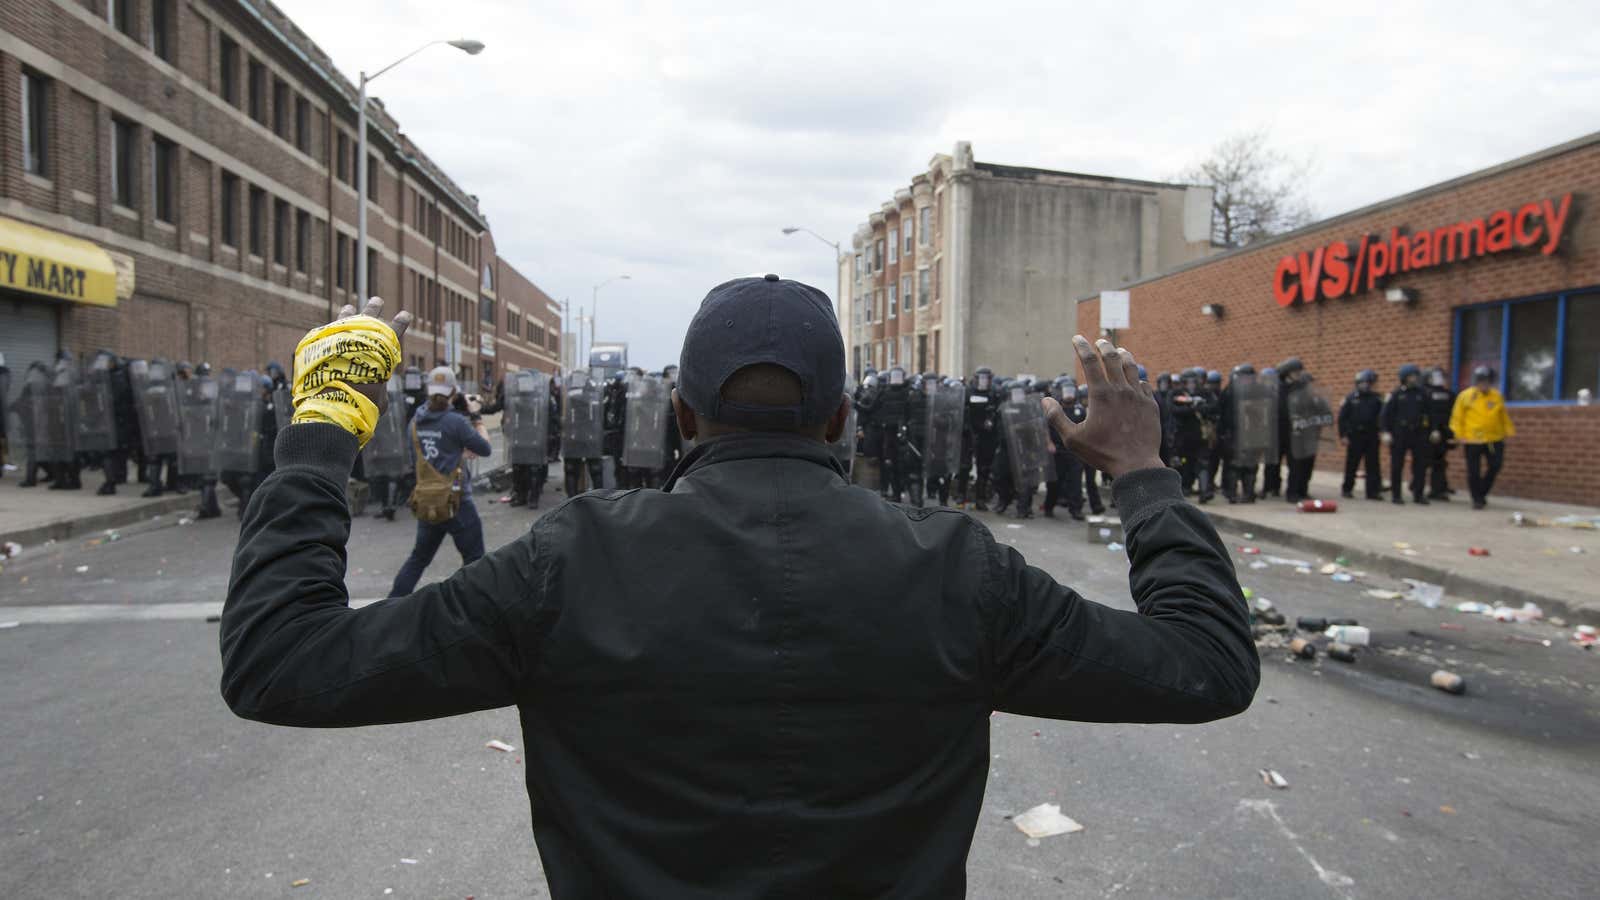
x=922 y=353
x=486 y=309
x=923 y=277
x=877 y=261
x=894 y=301
x=120 y=16
x=302 y=124
x=35 y=122
x=163 y=172
x=552 y=342
x=302 y=240
x=1544 y=350
x=258 y=221
x=908 y=238
x=488 y=277
x=229 y=61
x=230 y=209
x=339 y=260
x=341 y=158
x=923 y=215
x=372 y=177
x=938 y=270
x=280 y=232
x=860 y=266
x=122 y=171
x=905 y=350
x=894 y=245
x=905 y=293
x=161 y=28
x=280 y=108
x=257 y=90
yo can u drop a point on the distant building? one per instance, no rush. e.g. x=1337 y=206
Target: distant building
x=977 y=264
x=205 y=150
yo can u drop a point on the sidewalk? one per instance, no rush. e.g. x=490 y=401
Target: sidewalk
x=37 y=514
x=1526 y=564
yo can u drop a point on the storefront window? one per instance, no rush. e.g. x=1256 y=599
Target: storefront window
x=1480 y=342
x=1531 y=369
x=1580 y=363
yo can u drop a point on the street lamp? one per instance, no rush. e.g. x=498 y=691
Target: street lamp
x=838 y=253
x=594 y=306
x=469 y=47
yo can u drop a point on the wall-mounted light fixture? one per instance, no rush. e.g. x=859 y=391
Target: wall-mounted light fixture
x=1400 y=295
x=1214 y=310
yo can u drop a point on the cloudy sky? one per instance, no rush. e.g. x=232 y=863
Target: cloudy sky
x=671 y=141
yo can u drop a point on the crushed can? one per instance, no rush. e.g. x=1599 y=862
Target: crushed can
x=1316 y=506
x=1342 y=652
x=1449 y=682
x=1303 y=648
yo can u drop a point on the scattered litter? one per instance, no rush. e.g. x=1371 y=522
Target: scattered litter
x=1586 y=635
x=1587 y=523
x=1095 y=520
x=1449 y=682
x=113 y=535
x=1477 y=551
x=1318 y=506
x=1012 y=525
x=1272 y=779
x=1354 y=635
x=408 y=861
x=1524 y=639
x=1401 y=545
x=1045 y=820
x=1271 y=617
x=1426 y=593
x=1249 y=535
x=1302 y=570
x=1529 y=612
x=1258 y=564
x=1382 y=594
x=1250 y=551
x=1409 y=552
x=1574 y=549
x=1473 y=606
x=1343 y=577
x=1261 y=603
x=10 y=549
x=213 y=619
x=1329 y=569
x=1448 y=810
x=1113 y=546
x=5 y=625
x=504 y=498
x=1303 y=648
x=81 y=569
x=1342 y=560
x=1311 y=623
x=185 y=520
x=502 y=746
x=1285 y=561
x=1468 y=754
x=1342 y=652
x=300 y=882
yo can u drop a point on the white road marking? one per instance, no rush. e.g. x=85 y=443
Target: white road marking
x=1329 y=877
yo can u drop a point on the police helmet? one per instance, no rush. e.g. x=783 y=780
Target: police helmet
x=1367 y=375
x=1244 y=369
x=1213 y=377
x=1408 y=370
x=1144 y=374
x=1291 y=366
x=1437 y=377
x=183 y=366
x=203 y=369
x=1164 y=380
x=1269 y=372
x=1482 y=373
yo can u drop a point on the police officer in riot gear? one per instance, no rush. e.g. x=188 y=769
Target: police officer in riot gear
x=1192 y=410
x=866 y=400
x=980 y=436
x=1405 y=428
x=126 y=440
x=1069 y=481
x=1358 y=432
x=614 y=415
x=889 y=414
x=1212 y=390
x=1168 y=423
x=1441 y=401
x=1234 y=472
x=913 y=443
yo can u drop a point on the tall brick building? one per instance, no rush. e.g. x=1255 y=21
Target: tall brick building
x=206 y=150
x=978 y=264
x=1500 y=268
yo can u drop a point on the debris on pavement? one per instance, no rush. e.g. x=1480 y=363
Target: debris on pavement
x=1113 y=546
x=299 y=882
x=1045 y=820
x=1341 y=652
x=1401 y=545
x=10 y=549
x=213 y=619
x=185 y=520
x=1318 y=506
x=1272 y=779
x=1524 y=639
x=500 y=745
x=81 y=569
x=1250 y=551
x=1249 y=535
x=1303 y=648
x=408 y=860
x=1382 y=594
x=1449 y=682
x=1587 y=523
x=1424 y=592
x=1530 y=612
x=1354 y=635
x=1473 y=606
x=1286 y=561
x=1586 y=636
x=1302 y=570
x=1477 y=551
x=1343 y=577
x=1258 y=564
x=1329 y=569
x=5 y=625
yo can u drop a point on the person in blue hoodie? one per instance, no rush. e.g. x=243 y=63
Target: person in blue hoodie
x=442 y=435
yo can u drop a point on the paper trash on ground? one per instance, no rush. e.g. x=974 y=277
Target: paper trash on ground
x=502 y=746
x=1429 y=595
x=1045 y=820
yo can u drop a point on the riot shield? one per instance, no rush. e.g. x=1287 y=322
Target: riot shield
x=388 y=453
x=945 y=408
x=283 y=405
x=55 y=415
x=1308 y=413
x=525 y=420
x=1027 y=440
x=581 y=429
x=155 y=398
x=33 y=407
x=97 y=424
x=1255 y=415
x=238 y=422
x=844 y=449
x=644 y=439
x=197 y=418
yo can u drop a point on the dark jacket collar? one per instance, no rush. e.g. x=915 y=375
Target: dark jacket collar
x=754 y=445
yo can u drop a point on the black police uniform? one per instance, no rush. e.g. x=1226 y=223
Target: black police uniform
x=1441 y=402
x=1405 y=418
x=913 y=443
x=1359 y=426
x=613 y=420
x=1211 y=419
x=980 y=439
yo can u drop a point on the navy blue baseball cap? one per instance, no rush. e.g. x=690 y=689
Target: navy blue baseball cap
x=749 y=321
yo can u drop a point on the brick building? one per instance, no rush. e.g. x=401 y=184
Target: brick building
x=1500 y=267
x=206 y=149
x=979 y=264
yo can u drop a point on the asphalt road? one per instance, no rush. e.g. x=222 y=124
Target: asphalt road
x=124 y=775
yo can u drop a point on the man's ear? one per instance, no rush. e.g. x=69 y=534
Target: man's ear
x=841 y=417
x=685 y=416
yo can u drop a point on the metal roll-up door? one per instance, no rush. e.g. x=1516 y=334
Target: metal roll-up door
x=28 y=331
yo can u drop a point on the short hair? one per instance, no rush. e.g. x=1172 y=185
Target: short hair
x=763 y=384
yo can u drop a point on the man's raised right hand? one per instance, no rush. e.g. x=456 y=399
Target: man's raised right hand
x=1122 y=432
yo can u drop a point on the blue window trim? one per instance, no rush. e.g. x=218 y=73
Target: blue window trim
x=1502 y=370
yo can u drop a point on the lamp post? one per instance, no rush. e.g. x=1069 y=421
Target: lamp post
x=594 y=304
x=838 y=253
x=469 y=47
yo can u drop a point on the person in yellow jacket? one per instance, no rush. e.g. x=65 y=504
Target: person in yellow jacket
x=1480 y=422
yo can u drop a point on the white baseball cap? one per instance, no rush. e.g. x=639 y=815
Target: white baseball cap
x=441 y=381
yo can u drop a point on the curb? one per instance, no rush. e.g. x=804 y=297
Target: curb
x=61 y=529
x=1405 y=567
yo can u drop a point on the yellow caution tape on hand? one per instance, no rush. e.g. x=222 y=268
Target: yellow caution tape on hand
x=330 y=359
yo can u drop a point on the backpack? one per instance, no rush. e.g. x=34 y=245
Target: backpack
x=437 y=498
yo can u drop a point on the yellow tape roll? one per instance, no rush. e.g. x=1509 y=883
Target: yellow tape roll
x=330 y=359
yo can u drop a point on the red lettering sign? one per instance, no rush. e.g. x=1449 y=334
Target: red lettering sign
x=1342 y=269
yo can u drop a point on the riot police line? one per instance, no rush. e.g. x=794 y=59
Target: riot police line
x=174 y=427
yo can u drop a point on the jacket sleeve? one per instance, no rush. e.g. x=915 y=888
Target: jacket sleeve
x=1458 y=411
x=1187 y=655
x=1508 y=429
x=1386 y=414
x=1345 y=410
x=472 y=440
x=295 y=653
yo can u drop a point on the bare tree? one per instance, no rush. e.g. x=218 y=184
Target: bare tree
x=1257 y=191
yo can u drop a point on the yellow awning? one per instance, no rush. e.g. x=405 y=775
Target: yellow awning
x=52 y=264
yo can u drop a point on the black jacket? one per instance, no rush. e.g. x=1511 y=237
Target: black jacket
x=1405 y=412
x=1359 y=413
x=759 y=681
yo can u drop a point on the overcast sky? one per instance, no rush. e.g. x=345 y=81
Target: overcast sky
x=672 y=141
